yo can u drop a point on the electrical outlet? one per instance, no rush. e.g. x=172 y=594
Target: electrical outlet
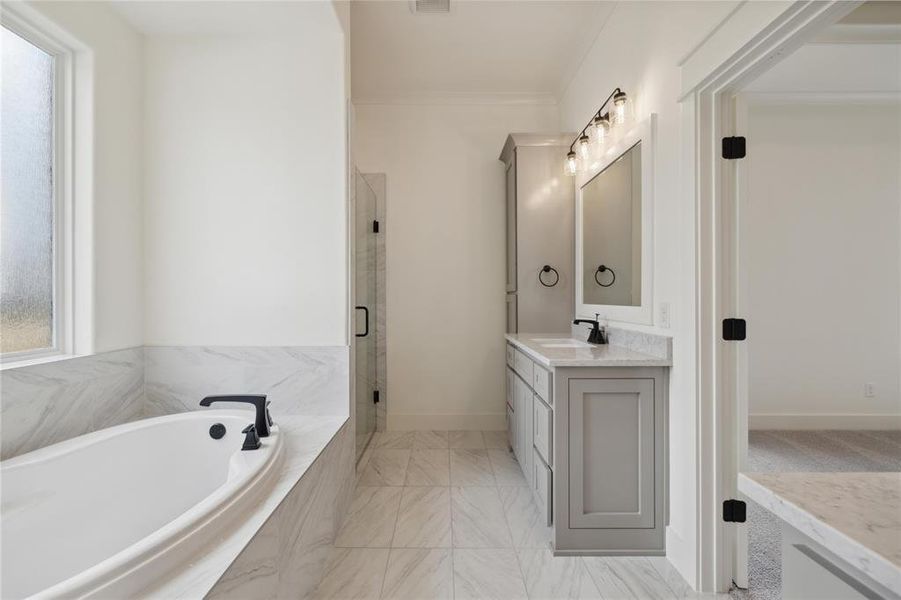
x=664 y=316
x=869 y=390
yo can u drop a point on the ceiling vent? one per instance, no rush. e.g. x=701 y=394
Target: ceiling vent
x=430 y=7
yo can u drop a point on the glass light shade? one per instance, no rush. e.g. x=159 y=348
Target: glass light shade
x=572 y=164
x=584 y=146
x=601 y=129
x=620 y=112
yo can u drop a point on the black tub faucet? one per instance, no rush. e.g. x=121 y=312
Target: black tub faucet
x=598 y=334
x=262 y=420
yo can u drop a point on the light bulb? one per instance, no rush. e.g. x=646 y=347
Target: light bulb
x=619 y=108
x=572 y=163
x=584 y=146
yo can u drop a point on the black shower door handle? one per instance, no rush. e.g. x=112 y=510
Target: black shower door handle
x=366 y=314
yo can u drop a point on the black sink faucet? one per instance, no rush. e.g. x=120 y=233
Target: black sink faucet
x=598 y=334
x=262 y=420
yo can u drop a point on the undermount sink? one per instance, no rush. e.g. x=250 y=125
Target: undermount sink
x=560 y=343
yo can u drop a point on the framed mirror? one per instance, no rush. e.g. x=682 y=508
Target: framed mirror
x=614 y=229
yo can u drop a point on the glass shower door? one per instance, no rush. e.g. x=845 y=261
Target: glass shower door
x=365 y=310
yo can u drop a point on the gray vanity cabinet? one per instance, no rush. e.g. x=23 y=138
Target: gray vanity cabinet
x=610 y=423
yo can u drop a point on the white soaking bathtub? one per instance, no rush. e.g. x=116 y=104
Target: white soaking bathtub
x=109 y=513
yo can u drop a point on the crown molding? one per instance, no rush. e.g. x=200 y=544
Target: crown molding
x=458 y=99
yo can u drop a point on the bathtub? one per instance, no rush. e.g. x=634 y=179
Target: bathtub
x=112 y=512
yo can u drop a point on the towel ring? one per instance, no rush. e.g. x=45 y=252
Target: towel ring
x=604 y=269
x=548 y=269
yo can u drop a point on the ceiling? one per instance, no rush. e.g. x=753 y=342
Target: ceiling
x=875 y=13
x=870 y=23
x=203 y=17
x=513 y=48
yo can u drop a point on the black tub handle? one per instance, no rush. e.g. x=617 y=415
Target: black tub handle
x=366 y=315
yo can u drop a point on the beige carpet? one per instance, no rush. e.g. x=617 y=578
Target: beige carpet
x=815 y=451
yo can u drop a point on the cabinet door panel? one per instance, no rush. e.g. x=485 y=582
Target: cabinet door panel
x=541 y=488
x=611 y=453
x=523 y=407
x=511 y=405
x=542 y=427
x=519 y=392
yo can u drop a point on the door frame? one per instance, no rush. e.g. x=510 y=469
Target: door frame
x=751 y=40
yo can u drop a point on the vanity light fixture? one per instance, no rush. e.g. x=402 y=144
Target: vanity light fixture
x=600 y=124
x=572 y=163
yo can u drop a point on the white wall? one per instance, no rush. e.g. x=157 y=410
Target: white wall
x=639 y=50
x=853 y=68
x=108 y=199
x=824 y=190
x=445 y=254
x=245 y=186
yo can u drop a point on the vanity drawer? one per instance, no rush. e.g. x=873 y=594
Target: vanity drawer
x=523 y=365
x=541 y=383
x=543 y=425
x=541 y=488
x=511 y=353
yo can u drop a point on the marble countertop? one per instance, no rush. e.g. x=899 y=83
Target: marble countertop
x=535 y=345
x=857 y=516
x=305 y=437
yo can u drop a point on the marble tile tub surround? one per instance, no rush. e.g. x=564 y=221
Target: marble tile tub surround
x=854 y=515
x=281 y=549
x=46 y=403
x=297 y=379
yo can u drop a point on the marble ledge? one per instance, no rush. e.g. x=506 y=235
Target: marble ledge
x=607 y=355
x=306 y=437
x=854 y=515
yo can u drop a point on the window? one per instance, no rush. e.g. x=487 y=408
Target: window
x=30 y=295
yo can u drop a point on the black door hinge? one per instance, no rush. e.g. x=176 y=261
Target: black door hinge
x=735 y=330
x=734 y=147
x=375 y=227
x=375 y=397
x=734 y=511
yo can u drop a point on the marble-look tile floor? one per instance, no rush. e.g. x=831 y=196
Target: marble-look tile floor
x=813 y=451
x=441 y=515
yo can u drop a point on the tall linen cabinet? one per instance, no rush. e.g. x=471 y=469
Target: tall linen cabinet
x=540 y=231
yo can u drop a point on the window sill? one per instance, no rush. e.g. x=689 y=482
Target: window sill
x=25 y=361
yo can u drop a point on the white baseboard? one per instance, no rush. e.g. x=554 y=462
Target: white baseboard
x=681 y=557
x=450 y=422
x=819 y=421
